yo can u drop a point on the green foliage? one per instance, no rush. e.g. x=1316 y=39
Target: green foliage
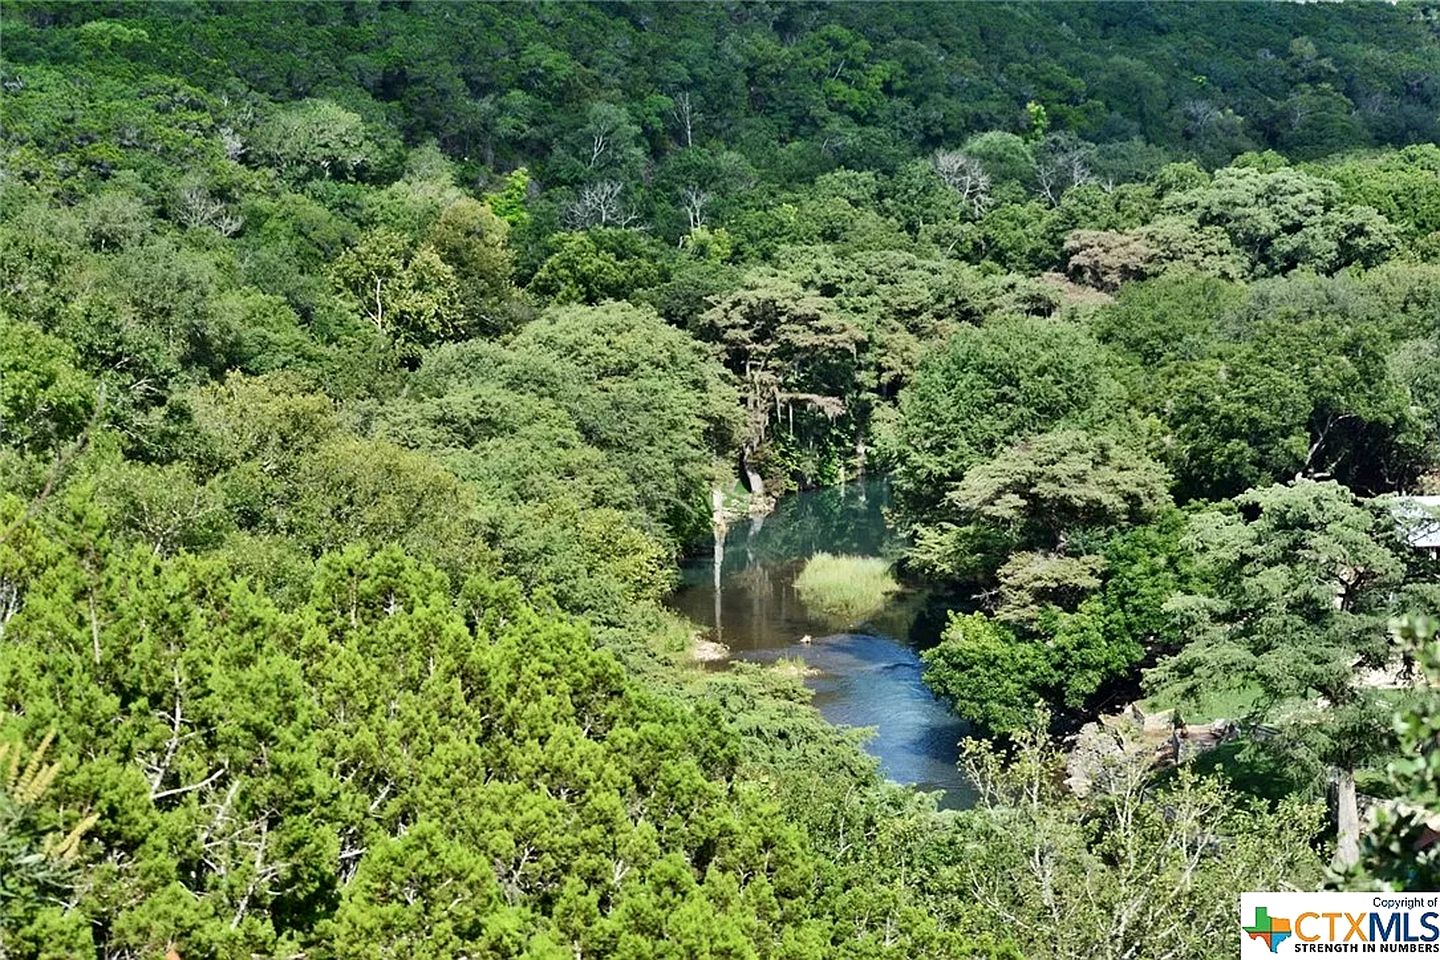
x=1284 y=218
x=1105 y=873
x=316 y=138
x=1064 y=628
x=329 y=334
x=279 y=776
x=1126 y=620
x=1297 y=376
x=508 y=203
x=1300 y=593
x=273 y=460
x=470 y=240
x=44 y=400
x=1302 y=582
x=1006 y=156
x=410 y=296
x=1108 y=259
x=629 y=411
x=1399 y=184
x=988 y=387
x=1394 y=855
x=1048 y=494
x=989 y=675
x=599 y=265
x=788 y=350
x=40 y=846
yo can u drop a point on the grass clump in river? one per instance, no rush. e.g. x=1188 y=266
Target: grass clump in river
x=793 y=668
x=845 y=589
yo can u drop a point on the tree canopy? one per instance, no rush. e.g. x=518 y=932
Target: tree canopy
x=365 y=370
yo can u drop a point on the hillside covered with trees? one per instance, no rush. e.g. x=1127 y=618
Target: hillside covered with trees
x=366 y=368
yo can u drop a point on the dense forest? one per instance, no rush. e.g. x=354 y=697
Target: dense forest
x=367 y=367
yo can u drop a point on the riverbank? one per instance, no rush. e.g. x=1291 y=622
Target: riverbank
x=741 y=593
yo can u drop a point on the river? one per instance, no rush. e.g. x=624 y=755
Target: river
x=868 y=676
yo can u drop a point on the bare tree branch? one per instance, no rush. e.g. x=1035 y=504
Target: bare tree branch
x=966 y=176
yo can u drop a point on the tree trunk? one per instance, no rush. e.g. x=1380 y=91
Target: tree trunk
x=716 y=587
x=719 y=525
x=1347 y=821
x=752 y=479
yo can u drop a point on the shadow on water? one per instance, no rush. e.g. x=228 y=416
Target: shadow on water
x=866 y=677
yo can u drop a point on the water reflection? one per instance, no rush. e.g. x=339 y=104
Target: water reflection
x=866 y=677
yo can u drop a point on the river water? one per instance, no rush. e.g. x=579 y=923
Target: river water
x=865 y=676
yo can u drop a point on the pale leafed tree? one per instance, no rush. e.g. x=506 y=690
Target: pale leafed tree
x=600 y=204
x=965 y=175
x=696 y=199
x=1062 y=161
x=197 y=208
x=686 y=113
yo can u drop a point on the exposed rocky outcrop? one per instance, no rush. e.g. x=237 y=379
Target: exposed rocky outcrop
x=1114 y=737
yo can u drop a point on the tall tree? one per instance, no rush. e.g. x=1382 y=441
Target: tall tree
x=986 y=388
x=789 y=349
x=1303 y=580
x=1044 y=495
